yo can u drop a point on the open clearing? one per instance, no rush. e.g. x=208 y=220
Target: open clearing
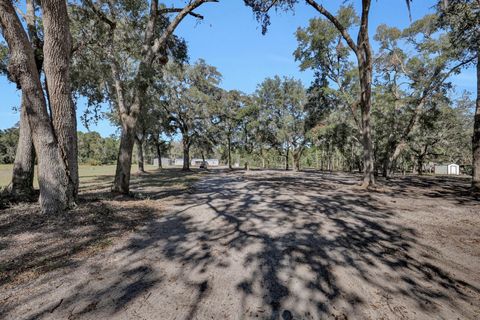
x=241 y=245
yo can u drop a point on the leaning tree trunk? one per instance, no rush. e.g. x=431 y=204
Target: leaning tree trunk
x=476 y=134
x=140 y=155
x=56 y=52
x=53 y=179
x=24 y=165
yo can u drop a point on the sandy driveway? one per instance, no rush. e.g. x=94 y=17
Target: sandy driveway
x=271 y=245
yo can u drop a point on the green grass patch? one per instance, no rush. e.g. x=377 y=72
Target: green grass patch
x=87 y=173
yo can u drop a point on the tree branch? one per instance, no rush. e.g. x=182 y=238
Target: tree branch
x=173 y=10
x=101 y=15
x=337 y=24
x=160 y=42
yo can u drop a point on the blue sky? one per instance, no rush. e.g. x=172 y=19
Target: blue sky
x=230 y=39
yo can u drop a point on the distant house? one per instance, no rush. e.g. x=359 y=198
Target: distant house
x=210 y=162
x=447 y=169
x=196 y=162
x=178 y=162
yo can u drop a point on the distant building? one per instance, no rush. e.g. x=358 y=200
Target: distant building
x=210 y=162
x=213 y=162
x=178 y=162
x=447 y=169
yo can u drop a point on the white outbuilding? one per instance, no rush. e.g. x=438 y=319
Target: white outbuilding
x=452 y=168
x=210 y=162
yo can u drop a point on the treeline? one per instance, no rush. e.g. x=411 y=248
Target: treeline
x=378 y=112
x=93 y=149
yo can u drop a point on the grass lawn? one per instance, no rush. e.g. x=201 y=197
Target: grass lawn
x=87 y=173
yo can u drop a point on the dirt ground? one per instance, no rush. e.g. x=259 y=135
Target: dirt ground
x=249 y=245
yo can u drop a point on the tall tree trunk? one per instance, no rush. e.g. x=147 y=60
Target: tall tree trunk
x=476 y=134
x=53 y=179
x=140 y=157
x=352 y=158
x=121 y=184
x=56 y=52
x=365 y=67
x=153 y=49
x=159 y=154
x=247 y=166
x=322 y=161
x=297 y=154
x=363 y=52
x=186 y=153
x=287 y=155
x=420 y=164
x=24 y=165
x=386 y=167
x=229 y=152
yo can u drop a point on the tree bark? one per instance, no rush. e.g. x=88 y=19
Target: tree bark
x=297 y=154
x=55 y=191
x=24 y=165
x=420 y=159
x=56 y=52
x=476 y=134
x=159 y=154
x=186 y=154
x=287 y=155
x=229 y=152
x=121 y=184
x=385 y=167
x=140 y=157
x=364 y=56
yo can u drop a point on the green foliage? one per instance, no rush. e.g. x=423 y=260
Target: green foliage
x=321 y=46
x=190 y=99
x=8 y=144
x=281 y=113
x=3 y=58
x=461 y=19
x=95 y=150
x=444 y=134
x=97 y=46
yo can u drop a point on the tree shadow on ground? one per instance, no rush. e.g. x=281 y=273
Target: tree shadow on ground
x=316 y=234
x=33 y=244
x=308 y=245
x=452 y=188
